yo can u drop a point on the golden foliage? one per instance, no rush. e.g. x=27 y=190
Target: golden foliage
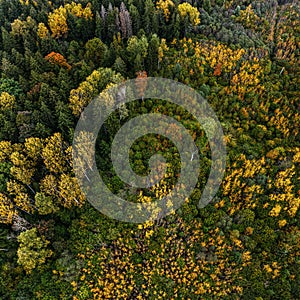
x=7 y=101
x=88 y=89
x=32 y=251
x=57 y=187
x=164 y=5
x=280 y=188
x=53 y=154
x=43 y=31
x=186 y=9
x=110 y=269
x=69 y=191
x=57 y=21
x=77 y=10
x=248 y=17
x=7 y=210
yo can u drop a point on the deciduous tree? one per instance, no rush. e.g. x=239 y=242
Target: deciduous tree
x=32 y=251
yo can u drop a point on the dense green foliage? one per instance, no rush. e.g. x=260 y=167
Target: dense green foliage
x=242 y=56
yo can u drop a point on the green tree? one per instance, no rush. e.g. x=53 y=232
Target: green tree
x=10 y=86
x=119 y=66
x=95 y=51
x=135 y=18
x=152 y=58
x=137 y=50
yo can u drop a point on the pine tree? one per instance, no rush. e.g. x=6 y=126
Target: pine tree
x=152 y=58
x=95 y=52
x=135 y=17
x=119 y=66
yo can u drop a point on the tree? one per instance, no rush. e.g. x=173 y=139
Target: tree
x=110 y=21
x=99 y=29
x=87 y=90
x=48 y=185
x=5 y=150
x=7 y=101
x=119 y=66
x=33 y=147
x=10 y=86
x=7 y=210
x=22 y=28
x=125 y=21
x=57 y=59
x=164 y=5
x=141 y=83
x=95 y=52
x=43 y=31
x=136 y=19
x=69 y=191
x=248 y=17
x=137 y=50
x=53 y=154
x=45 y=204
x=92 y=86
x=218 y=69
x=148 y=17
x=32 y=251
x=64 y=117
x=9 y=42
x=152 y=58
x=207 y=5
x=186 y=9
x=57 y=21
x=23 y=168
x=77 y=10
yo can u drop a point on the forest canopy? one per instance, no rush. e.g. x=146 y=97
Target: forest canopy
x=243 y=57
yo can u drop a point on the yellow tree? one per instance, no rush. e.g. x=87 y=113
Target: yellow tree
x=78 y=11
x=32 y=251
x=7 y=210
x=163 y=47
x=43 y=31
x=57 y=21
x=80 y=97
x=91 y=87
x=186 y=9
x=20 y=198
x=70 y=193
x=49 y=185
x=6 y=150
x=22 y=169
x=84 y=153
x=7 y=101
x=164 y=5
x=33 y=147
x=53 y=154
x=248 y=18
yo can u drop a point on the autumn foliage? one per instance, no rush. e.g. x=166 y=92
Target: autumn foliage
x=57 y=59
x=58 y=56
